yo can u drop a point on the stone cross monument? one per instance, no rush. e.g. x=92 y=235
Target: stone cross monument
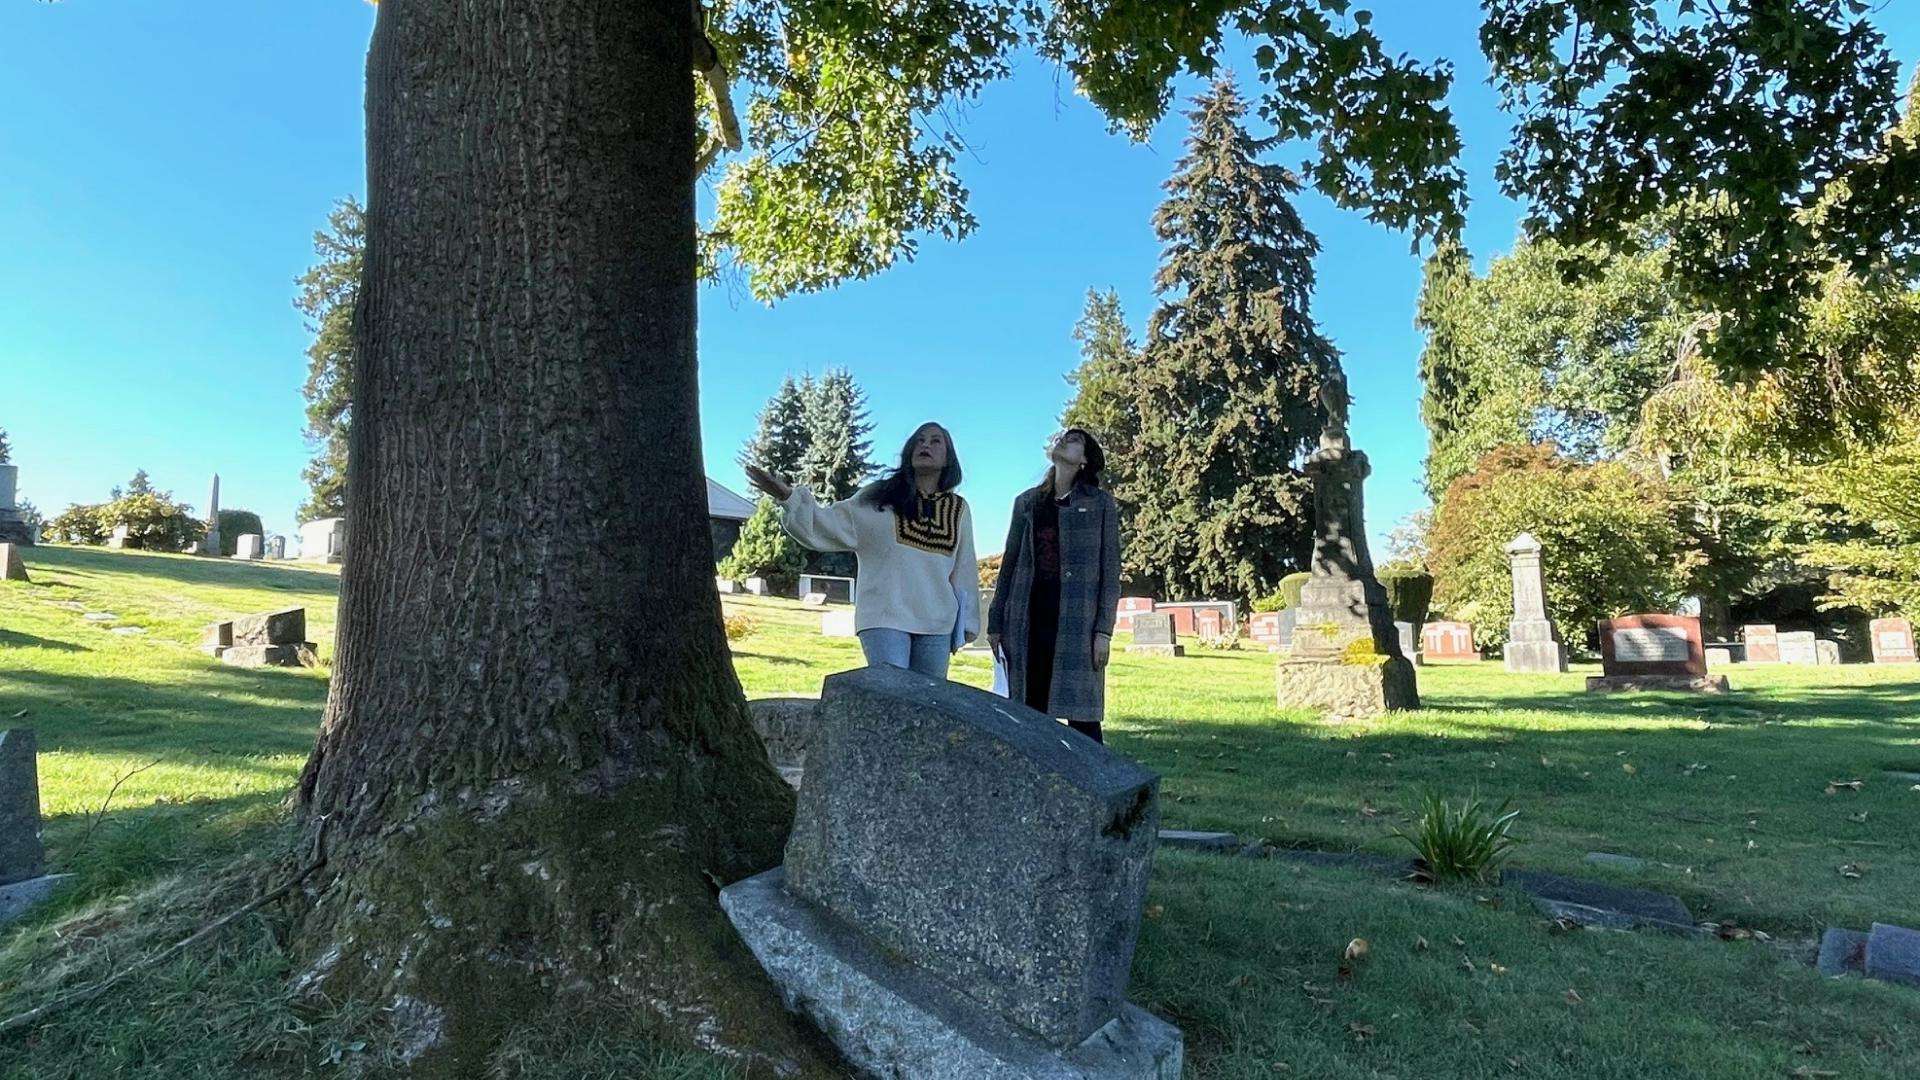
x=1533 y=643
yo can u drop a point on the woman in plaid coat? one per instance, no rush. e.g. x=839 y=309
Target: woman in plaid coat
x=1054 y=605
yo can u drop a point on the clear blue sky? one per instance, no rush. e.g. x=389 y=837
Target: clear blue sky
x=163 y=167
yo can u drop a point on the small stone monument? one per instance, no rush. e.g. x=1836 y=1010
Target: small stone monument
x=977 y=922
x=1892 y=641
x=1346 y=660
x=1533 y=642
x=211 y=544
x=117 y=539
x=1798 y=647
x=324 y=540
x=1826 y=652
x=24 y=880
x=12 y=568
x=1154 y=635
x=835 y=590
x=1128 y=607
x=1654 y=652
x=269 y=639
x=1448 y=641
x=1763 y=643
x=13 y=525
x=250 y=547
x=277 y=547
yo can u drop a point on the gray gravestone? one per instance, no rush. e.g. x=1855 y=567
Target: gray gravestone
x=1533 y=642
x=21 y=856
x=1826 y=652
x=1407 y=637
x=1013 y=867
x=12 y=568
x=277 y=547
x=288 y=626
x=1893 y=954
x=119 y=537
x=1154 y=635
x=13 y=526
x=251 y=547
x=1798 y=647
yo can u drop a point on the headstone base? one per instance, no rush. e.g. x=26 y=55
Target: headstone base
x=893 y=1020
x=1699 y=684
x=1346 y=691
x=22 y=896
x=253 y=656
x=1158 y=650
x=11 y=567
x=1536 y=657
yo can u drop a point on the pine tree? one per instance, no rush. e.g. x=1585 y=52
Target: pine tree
x=1103 y=399
x=1227 y=393
x=780 y=439
x=326 y=296
x=838 y=458
x=140 y=484
x=1445 y=373
x=6 y=452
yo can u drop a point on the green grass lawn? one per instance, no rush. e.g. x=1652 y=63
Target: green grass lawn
x=1725 y=797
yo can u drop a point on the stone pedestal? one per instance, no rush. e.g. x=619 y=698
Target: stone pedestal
x=11 y=566
x=1533 y=642
x=1346 y=657
x=13 y=528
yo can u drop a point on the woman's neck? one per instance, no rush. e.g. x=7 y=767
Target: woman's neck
x=926 y=483
x=1063 y=477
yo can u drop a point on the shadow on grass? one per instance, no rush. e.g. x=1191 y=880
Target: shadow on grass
x=28 y=641
x=1894 y=703
x=279 y=715
x=186 y=570
x=769 y=658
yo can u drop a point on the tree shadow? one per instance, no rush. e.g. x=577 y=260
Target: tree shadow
x=769 y=658
x=188 y=570
x=16 y=639
x=280 y=715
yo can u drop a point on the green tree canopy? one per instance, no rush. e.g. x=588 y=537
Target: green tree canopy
x=780 y=438
x=326 y=294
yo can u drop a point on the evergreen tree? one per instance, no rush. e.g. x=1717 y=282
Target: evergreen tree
x=326 y=296
x=780 y=440
x=139 y=485
x=1103 y=385
x=1227 y=395
x=838 y=457
x=6 y=452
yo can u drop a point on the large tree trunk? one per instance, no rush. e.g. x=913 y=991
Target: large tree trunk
x=536 y=762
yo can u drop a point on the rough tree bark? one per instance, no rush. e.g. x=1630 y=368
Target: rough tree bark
x=536 y=762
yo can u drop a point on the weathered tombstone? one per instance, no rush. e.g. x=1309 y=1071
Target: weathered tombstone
x=757 y=586
x=277 y=547
x=12 y=567
x=1448 y=641
x=785 y=726
x=977 y=922
x=250 y=547
x=1826 y=652
x=117 y=539
x=838 y=623
x=1797 y=647
x=268 y=639
x=324 y=540
x=1208 y=623
x=1654 y=652
x=1154 y=635
x=1719 y=658
x=837 y=590
x=13 y=525
x=1346 y=661
x=1763 y=643
x=1407 y=647
x=1892 y=641
x=21 y=856
x=1533 y=642
x=1129 y=607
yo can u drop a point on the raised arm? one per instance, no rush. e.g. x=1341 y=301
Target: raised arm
x=823 y=528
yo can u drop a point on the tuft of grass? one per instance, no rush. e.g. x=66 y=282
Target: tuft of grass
x=1467 y=843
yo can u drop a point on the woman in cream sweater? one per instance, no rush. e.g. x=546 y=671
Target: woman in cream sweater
x=918 y=591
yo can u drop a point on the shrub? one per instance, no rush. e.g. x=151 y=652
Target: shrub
x=740 y=625
x=1467 y=844
x=1286 y=596
x=764 y=548
x=1611 y=534
x=1409 y=592
x=153 y=520
x=77 y=524
x=237 y=523
x=990 y=571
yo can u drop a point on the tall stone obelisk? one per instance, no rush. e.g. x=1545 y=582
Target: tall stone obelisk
x=211 y=545
x=1533 y=642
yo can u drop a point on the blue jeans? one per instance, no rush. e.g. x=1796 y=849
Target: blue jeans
x=923 y=653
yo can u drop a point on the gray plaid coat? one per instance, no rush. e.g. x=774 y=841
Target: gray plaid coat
x=1089 y=599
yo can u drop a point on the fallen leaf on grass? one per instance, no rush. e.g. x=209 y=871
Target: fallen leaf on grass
x=1834 y=786
x=1281 y=1066
x=1544 y=763
x=1572 y=997
x=1467 y=964
x=1154 y=911
x=1851 y=870
x=1496 y=968
x=1367 y=810
x=1357 y=949
x=1420 y=944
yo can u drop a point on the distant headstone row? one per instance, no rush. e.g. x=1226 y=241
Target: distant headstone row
x=269 y=639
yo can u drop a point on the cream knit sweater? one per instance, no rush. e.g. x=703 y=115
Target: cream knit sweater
x=912 y=576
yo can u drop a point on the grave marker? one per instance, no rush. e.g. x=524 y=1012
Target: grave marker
x=1892 y=641
x=1533 y=641
x=1129 y=607
x=1797 y=647
x=836 y=590
x=21 y=856
x=1407 y=649
x=250 y=547
x=1763 y=643
x=1445 y=641
x=12 y=568
x=1154 y=635
x=1654 y=652
x=13 y=524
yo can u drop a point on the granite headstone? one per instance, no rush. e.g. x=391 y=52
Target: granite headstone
x=1892 y=641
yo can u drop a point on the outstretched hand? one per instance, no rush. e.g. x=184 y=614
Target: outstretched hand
x=769 y=483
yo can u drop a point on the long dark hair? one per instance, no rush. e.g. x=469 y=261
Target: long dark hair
x=1089 y=474
x=899 y=492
